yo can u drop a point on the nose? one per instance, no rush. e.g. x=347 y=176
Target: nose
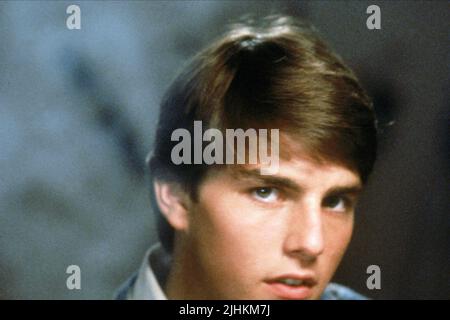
x=305 y=237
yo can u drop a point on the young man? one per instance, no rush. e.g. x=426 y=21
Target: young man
x=227 y=230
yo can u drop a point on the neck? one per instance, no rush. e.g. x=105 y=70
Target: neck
x=182 y=282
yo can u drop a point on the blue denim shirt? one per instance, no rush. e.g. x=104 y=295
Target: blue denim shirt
x=333 y=291
x=143 y=285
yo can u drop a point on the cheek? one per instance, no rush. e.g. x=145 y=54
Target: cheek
x=338 y=238
x=229 y=232
x=223 y=223
x=347 y=234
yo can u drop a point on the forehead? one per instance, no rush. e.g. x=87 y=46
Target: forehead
x=297 y=147
x=303 y=171
x=299 y=173
x=298 y=168
x=298 y=162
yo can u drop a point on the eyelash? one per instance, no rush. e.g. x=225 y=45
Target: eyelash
x=346 y=201
x=253 y=192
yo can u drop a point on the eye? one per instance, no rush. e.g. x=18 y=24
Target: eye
x=337 y=203
x=266 y=194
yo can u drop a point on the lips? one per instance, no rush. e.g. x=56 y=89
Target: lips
x=292 y=286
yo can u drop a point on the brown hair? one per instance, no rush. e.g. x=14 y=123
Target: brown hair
x=275 y=73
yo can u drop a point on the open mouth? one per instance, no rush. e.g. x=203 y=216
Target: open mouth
x=293 y=282
x=292 y=287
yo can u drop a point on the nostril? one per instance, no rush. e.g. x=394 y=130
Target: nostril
x=306 y=243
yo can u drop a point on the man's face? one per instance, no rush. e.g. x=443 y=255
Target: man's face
x=282 y=236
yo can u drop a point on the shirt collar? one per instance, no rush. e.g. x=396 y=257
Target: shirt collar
x=147 y=286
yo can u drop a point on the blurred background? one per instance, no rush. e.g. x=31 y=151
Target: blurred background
x=78 y=110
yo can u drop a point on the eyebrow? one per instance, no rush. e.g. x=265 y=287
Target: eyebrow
x=283 y=182
x=272 y=180
x=350 y=190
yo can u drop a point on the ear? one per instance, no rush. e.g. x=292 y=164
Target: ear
x=172 y=204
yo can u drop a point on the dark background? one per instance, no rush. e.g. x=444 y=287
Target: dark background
x=78 y=110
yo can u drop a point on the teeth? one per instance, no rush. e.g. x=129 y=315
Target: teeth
x=291 y=282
